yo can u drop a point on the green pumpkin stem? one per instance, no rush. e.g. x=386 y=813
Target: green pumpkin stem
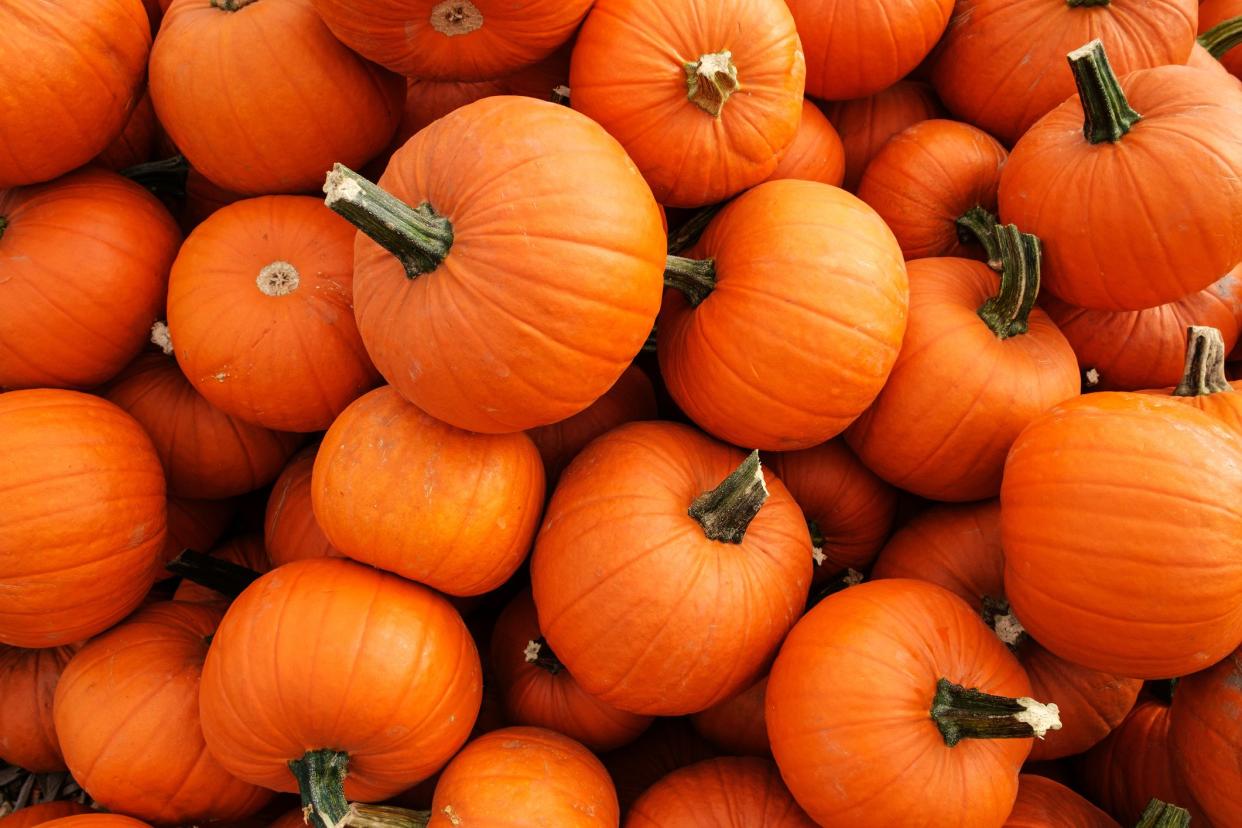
x=167 y=176
x=321 y=780
x=695 y=278
x=419 y=237
x=977 y=226
x=1007 y=312
x=540 y=654
x=1108 y=116
x=1159 y=814
x=1074 y=4
x=710 y=81
x=385 y=816
x=686 y=235
x=224 y=577
x=1222 y=37
x=4 y=224
x=1205 y=364
x=962 y=713
x=726 y=511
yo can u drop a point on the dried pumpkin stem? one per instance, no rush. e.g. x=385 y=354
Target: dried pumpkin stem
x=1159 y=814
x=538 y=652
x=998 y=615
x=977 y=226
x=1007 y=312
x=230 y=5
x=1205 y=364
x=837 y=583
x=962 y=713
x=385 y=816
x=726 y=511
x=419 y=237
x=710 y=81
x=224 y=577
x=1074 y=4
x=1222 y=37
x=696 y=278
x=1108 y=116
x=167 y=176
x=321 y=780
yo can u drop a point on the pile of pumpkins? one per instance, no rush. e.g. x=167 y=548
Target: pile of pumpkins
x=659 y=413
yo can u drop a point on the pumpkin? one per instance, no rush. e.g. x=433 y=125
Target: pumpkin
x=1200 y=58
x=82 y=503
x=96 y=820
x=83 y=267
x=1206 y=738
x=658 y=74
x=647 y=594
x=816 y=152
x=1043 y=803
x=996 y=64
x=33 y=815
x=958 y=547
x=136 y=144
x=195 y=524
x=529 y=774
x=127 y=715
x=1149 y=486
x=1141 y=247
x=538 y=691
x=1219 y=30
x=726 y=791
x=73 y=72
x=874 y=757
x=667 y=745
x=509 y=297
x=857 y=49
x=400 y=490
x=290 y=530
x=1204 y=384
x=1134 y=350
x=251 y=115
x=736 y=725
x=27 y=683
x=934 y=184
x=205 y=452
x=780 y=347
x=977 y=364
x=243 y=550
x=866 y=124
x=202 y=198
x=280 y=270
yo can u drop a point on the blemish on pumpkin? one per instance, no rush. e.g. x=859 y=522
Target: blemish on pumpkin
x=456 y=17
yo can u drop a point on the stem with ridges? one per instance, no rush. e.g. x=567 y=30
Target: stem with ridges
x=1205 y=364
x=385 y=816
x=538 y=652
x=695 y=278
x=419 y=237
x=1222 y=37
x=1159 y=814
x=962 y=713
x=224 y=577
x=710 y=81
x=1107 y=113
x=977 y=226
x=230 y=5
x=1074 y=4
x=726 y=511
x=321 y=780
x=1007 y=312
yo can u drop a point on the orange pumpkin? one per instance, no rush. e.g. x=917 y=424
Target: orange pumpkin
x=27 y=683
x=136 y=144
x=95 y=820
x=202 y=198
x=1219 y=32
x=667 y=745
x=736 y=725
x=1043 y=803
x=866 y=124
x=1200 y=58
x=1206 y=738
x=649 y=70
x=290 y=530
x=195 y=524
x=83 y=269
x=82 y=503
x=725 y=791
x=816 y=152
x=1204 y=384
x=33 y=815
x=243 y=550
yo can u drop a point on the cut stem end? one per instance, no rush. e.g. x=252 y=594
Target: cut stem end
x=710 y=81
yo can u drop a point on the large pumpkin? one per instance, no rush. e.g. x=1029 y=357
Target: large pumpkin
x=515 y=298
x=866 y=124
x=1043 y=803
x=290 y=530
x=83 y=269
x=260 y=306
x=127 y=715
x=27 y=684
x=33 y=815
x=82 y=503
x=661 y=76
x=1206 y=738
x=668 y=569
x=255 y=116
x=1203 y=384
x=780 y=346
x=726 y=791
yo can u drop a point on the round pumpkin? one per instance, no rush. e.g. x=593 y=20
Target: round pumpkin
x=243 y=550
x=280 y=271
x=33 y=815
x=1204 y=384
x=1206 y=738
x=726 y=791
x=648 y=594
x=816 y=152
x=1043 y=803
x=667 y=745
x=82 y=503
x=496 y=322
x=256 y=117
x=736 y=725
x=136 y=144
x=127 y=715
x=96 y=820
x=780 y=347
x=290 y=530
x=866 y=124
x=659 y=75
x=195 y=524
x=83 y=269
x=1149 y=486
x=27 y=684
x=1219 y=31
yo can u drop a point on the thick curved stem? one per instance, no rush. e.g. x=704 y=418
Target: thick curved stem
x=977 y=226
x=321 y=780
x=1108 y=116
x=1205 y=364
x=230 y=5
x=1222 y=37
x=710 y=81
x=686 y=235
x=167 y=176
x=224 y=577
x=1007 y=312
x=962 y=713
x=419 y=237
x=695 y=278
x=385 y=816
x=727 y=510
x=1074 y=4
x=538 y=652
x=1159 y=814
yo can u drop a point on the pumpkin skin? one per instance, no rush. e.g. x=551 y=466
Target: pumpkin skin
x=1152 y=250
x=1043 y=803
x=205 y=452
x=136 y=144
x=221 y=80
x=1200 y=58
x=1206 y=738
x=82 y=503
x=400 y=490
x=280 y=270
x=838 y=771
x=816 y=152
x=290 y=530
x=96 y=820
x=629 y=72
x=725 y=791
x=667 y=745
x=83 y=269
x=1078 y=478
x=736 y=725
x=984 y=79
x=927 y=177
x=243 y=550
x=1212 y=13
x=856 y=49
x=127 y=714
x=195 y=524
x=27 y=684
x=73 y=74
x=395 y=732
x=796 y=339
x=665 y=631
x=535 y=696
x=866 y=124
x=202 y=198
x=44 y=812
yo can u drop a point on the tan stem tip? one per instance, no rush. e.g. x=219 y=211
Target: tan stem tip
x=161 y=337
x=1041 y=717
x=278 y=279
x=456 y=17
x=710 y=81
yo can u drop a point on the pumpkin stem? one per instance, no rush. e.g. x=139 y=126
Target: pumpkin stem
x=4 y=223
x=837 y=583
x=1074 y=4
x=230 y=5
x=1006 y=313
x=1159 y=814
x=224 y=577
x=453 y=18
x=726 y=511
x=962 y=713
x=650 y=344
x=161 y=336
x=696 y=278
x=538 y=652
x=385 y=816
x=976 y=226
x=278 y=279
x=1108 y=116
x=689 y=233
x=321 y=779
x=710 y=81
x=560 y=95
x=998 y=615
x=1222 y=37
x=1205 y=364
x=167 y=175
x=419 y=237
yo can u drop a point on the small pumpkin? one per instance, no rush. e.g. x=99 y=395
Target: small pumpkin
x=1043 y=803
x=27 y=684
x=736 y=725
x=1204 y=384
x=195 y=524
x=816 y=152
x=136 y=144
x=33 y=815
x=243 y=550
x=726 y=791
x=290 y=530
x=866 y=124
x=1205 y=733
